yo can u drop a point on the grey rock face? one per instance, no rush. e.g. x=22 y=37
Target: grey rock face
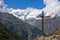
x=50 y=24
x=18 y=26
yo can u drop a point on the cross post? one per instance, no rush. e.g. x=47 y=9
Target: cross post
x=42 y=22
x=42 y=16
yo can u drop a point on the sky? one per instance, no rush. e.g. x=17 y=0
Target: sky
x=23 y=4
x=33 y=7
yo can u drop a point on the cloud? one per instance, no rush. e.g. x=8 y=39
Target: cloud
x=51 y=9
x=3 y=6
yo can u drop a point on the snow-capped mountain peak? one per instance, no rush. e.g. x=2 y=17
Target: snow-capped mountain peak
x=51 y=9
x=28 y=13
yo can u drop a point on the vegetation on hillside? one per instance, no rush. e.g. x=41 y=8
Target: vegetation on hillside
x=5 y=34
x=57 y=32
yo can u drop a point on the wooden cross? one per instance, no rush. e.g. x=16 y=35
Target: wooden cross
x=42 y=22
x=42 y=16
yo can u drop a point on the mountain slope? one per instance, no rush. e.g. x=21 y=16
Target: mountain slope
x=50 y=24
x=18 y=26
x=5 y=34
x=57 y=32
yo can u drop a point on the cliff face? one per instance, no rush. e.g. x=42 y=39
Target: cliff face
x=18 y=26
